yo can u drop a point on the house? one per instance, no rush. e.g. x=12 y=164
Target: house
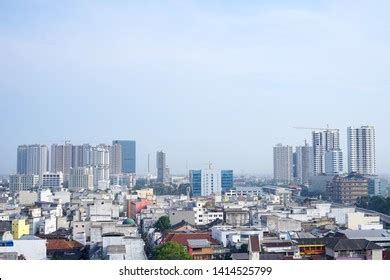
x=183 y=237
x=357 y=249
x=196 y=244
x=62 y=249
x=183 y=226
x=380 y=237
x=229 y=235
x=309 y=247
x=276 y=246
x=199 y=249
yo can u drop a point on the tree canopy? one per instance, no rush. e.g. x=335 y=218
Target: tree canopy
x=163 y=224
x=171 y=251
x=375 y=203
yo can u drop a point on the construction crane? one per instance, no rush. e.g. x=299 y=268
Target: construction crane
x=316 y=128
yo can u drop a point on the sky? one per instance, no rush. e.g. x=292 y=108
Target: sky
x=205 y=81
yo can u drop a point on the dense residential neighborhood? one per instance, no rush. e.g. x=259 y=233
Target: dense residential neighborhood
x=246 y=223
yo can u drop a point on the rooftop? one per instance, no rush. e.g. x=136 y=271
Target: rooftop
x=29 y=237
x=183 y=237
x=62 y=245
x=198 y=243
x=240 y=256
x=116 y=249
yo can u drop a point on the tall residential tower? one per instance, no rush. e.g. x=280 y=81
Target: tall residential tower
x=362 y=150
x=283 y=164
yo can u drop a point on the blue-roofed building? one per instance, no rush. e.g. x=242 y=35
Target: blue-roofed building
x=226 y=180
x=196 y=182
x=208 y=181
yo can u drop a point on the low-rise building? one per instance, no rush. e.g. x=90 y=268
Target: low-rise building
x=23 y=182
x=229 y=235
x=237 y=216
x=19 y=228
x=361 y=221
x=346 y=190
x=28 y=247
x=278 y=224
x=200 y=249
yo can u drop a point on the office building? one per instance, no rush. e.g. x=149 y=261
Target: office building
x=362 y=150
x=81 y=178
x=283 y=164
x=22 y=159
x=210 y=181
x=227 y=180
x=23 y=182
x=128 y=155
x=377 y=187
x=303 y=164
x=53 y=181
x=116 y=159
x=334 y=163
x=347 y=189
x=163 y=176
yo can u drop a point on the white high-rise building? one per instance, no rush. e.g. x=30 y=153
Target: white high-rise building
x=116 y=159
x=81 y=155
x=211 y=182
x=323 y=142
x=334 y=163
x=81 y=178
x=61 y=159
x=362 y=150
x=101 y=163
x=304 y=164
x=283 y=164
x=37 y=160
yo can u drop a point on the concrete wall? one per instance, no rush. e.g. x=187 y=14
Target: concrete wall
x=30 y=249
x=355 y=220
x=176 y=216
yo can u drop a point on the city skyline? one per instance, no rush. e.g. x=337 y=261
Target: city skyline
x=172 y=77
x=344 y=164
x=225 y=131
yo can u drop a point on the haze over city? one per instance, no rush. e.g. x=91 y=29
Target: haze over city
x=205 y=82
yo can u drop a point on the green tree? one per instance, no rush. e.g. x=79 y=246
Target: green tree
x=244 y=248
x=163 y=224
x=376 y=203
x=171 y=251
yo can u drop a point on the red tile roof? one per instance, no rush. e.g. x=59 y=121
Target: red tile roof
x=183 y=237
x=62 y=244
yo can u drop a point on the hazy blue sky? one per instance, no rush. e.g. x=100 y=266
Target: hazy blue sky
x=219 y=81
